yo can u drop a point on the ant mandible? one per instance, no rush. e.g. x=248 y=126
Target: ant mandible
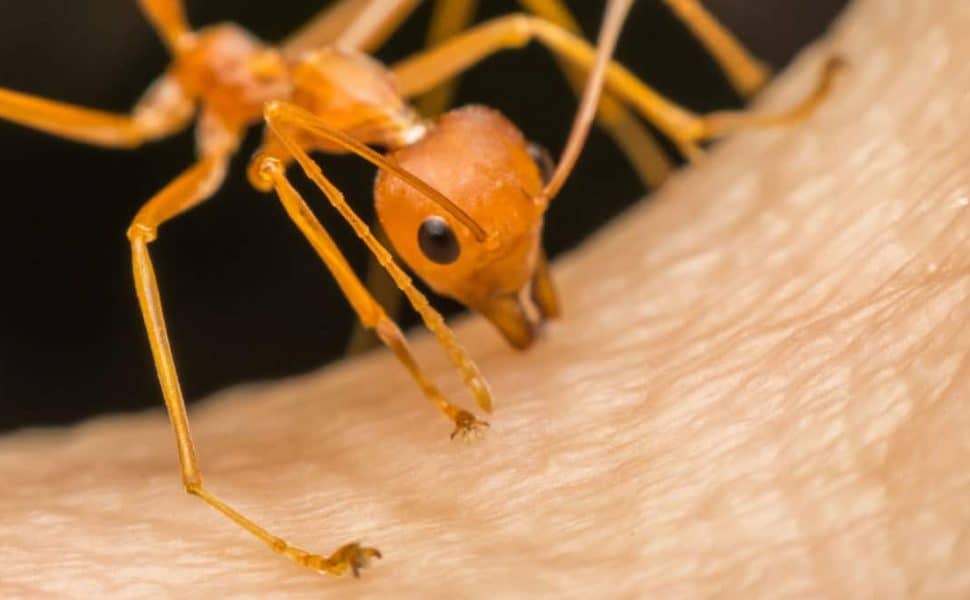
x=461 y=198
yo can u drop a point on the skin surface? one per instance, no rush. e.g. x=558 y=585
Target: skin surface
x=759 y=389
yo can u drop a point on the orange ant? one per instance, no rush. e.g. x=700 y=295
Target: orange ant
x=461 y=198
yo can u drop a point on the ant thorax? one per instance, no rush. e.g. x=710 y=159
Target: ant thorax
x=231 y=73
x=354 y=94
x=234 y=75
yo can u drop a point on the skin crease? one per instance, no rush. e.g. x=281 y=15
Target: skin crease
x=759 y=389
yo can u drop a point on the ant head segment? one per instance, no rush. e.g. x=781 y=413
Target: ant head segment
x=482 y=163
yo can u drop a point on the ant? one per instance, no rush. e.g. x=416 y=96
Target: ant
x=461 y=198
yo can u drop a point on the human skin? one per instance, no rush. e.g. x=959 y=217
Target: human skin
x=759 y=389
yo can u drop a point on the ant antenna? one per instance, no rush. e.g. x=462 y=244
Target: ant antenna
x=300 y=117
x=613 y=20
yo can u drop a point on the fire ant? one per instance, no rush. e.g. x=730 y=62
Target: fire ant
x=461 y=198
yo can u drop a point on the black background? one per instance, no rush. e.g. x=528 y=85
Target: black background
x=245 y=296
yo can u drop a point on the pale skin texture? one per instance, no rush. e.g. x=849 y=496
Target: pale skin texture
x=760 y=388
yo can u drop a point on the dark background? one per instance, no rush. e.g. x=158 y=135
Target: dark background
x=245 y=296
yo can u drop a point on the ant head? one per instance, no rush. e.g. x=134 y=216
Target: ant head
x=482 y=163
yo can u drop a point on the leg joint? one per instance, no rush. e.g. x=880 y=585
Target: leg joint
x=141 y=232
x=263 y=171
x=521 y=28
x=386 y=329
x=272 y=110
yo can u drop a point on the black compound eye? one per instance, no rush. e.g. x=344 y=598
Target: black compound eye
x=438 y=241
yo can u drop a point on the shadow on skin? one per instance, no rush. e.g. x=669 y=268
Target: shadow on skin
x=759 y=388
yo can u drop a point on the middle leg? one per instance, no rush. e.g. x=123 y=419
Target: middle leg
x=448 y=18
x=686 y=129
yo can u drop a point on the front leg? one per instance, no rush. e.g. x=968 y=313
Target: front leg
x=283 y=119
x=368 y=310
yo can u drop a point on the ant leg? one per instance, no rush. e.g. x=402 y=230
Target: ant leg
x=284 y=118
x=686 y=129
x=641 y=148
x=385 y=292
x=323 y=28
x=368 y=310
x=364 y=25
x=163 y=110
x=723 y=123
x=417 y=74
x=185 y=192
x=168 y=18
x=746 y=74
x=449 y=17
x=361 y=25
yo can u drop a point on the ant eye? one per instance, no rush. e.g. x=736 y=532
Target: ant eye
x=438 y=241
x=543 y=160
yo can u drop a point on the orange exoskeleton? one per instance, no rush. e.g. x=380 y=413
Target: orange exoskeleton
x=461 y=198
x=474 y=154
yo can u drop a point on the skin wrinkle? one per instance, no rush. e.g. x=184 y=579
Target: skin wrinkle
x=758 y=390
x=870 y=244
x=742 y=328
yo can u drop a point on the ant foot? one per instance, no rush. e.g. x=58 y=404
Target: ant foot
x=468 y=427
x=351 y=556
